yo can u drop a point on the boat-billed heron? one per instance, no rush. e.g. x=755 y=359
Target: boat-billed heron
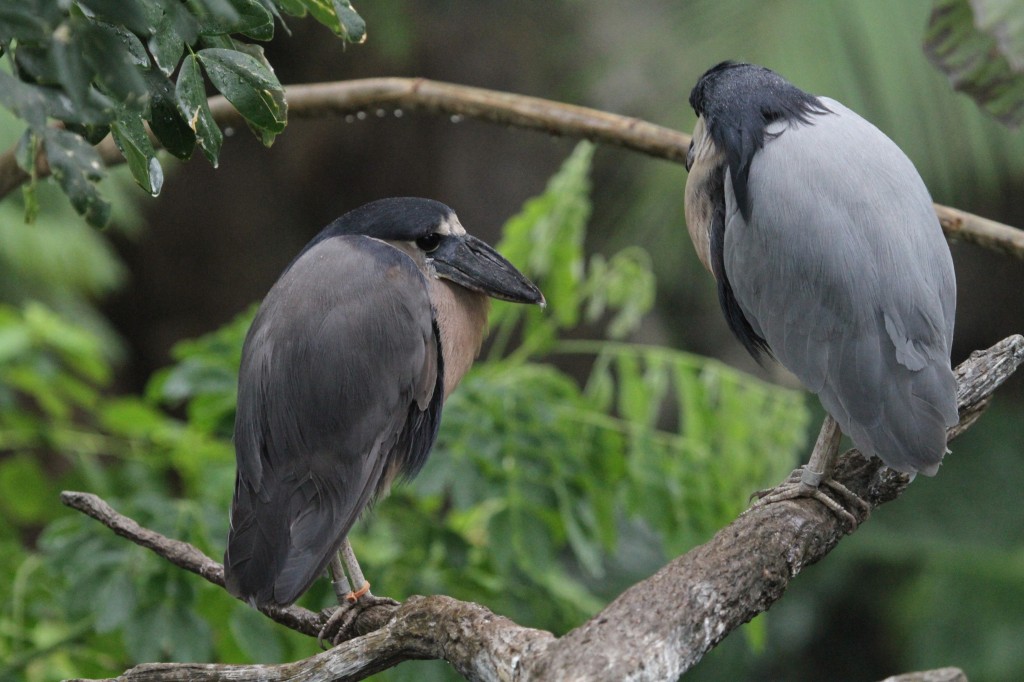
x=344 y=373
x=829 y=256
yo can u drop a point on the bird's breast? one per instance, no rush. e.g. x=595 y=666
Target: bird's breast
x=462 y=321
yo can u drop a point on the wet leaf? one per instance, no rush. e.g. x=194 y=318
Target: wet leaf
x=77 y=167
x=248 y=16
x=133 y=141
x=339 y=16
x=190 y=96
x=166 y=120
x=251 y=86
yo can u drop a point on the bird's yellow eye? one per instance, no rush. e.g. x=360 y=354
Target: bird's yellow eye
x=430 y=242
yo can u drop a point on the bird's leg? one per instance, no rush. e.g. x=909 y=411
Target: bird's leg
x=807 y=480
x=350 y=603
x=355 y=572
x=342 y=588
x=339 y=580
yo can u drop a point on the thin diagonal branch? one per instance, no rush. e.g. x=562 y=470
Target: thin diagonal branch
x=318 y=100
x=655 y=630
x=181 y=554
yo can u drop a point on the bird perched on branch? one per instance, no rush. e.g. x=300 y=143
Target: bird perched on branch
x=828 y=255
x=344 y=373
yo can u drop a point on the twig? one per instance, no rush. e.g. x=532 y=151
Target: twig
x=181 y=554
x=656 y=630
x=502 y=108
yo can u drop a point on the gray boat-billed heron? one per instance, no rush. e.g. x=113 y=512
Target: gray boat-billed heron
x=829 y=256
x=344 y=373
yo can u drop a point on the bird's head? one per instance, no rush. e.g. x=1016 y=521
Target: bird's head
x=431 y=234
x=735 y=103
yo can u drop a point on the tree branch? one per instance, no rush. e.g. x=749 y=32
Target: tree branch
x=418 y=94
x=661 y=627
x=656 y=630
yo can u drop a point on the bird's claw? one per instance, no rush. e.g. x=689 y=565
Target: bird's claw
x=806 y=483
x=338 y=626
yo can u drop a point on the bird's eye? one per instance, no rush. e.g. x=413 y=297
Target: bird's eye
x=430 y=242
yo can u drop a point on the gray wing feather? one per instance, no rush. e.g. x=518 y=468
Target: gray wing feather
x=340 y=357
x=843 y=269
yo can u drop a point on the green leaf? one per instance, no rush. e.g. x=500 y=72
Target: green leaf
x=14 y=341
x=339 y=16
x=166 y=120
x=250 y=18
x=136 y=15
x=166 y=45
x=176 y=28
x=193 y=106
x=29 y=21
x=546 y=237
x=251 y=86
x=77 y=347
x=115 y=56
x=131 y=418
x=353 y=25
x=26 y=151
x=979 y=45
x=77 y=167
x=25 y=494
x=131 y=138
x=256 y=635
x=93 y=134
x=119 y=602
x=34 y=65
x=26 y=101
x=296 y=8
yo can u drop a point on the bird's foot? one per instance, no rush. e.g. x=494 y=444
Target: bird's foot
x=805 y=482
x=338 y=626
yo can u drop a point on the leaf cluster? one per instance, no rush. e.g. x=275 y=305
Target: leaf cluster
x=83 y=69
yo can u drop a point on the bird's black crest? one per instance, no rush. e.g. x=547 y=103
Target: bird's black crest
x=738 y=101
x=395 y=218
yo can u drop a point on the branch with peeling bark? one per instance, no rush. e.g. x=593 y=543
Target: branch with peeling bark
x=656 y=630
x=533 y=113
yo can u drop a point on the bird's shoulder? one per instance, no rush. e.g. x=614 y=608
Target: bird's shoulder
x=342 y=345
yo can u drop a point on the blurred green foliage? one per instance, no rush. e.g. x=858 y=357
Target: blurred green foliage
x=979 y=45
x=60 y=261
x=533 y=485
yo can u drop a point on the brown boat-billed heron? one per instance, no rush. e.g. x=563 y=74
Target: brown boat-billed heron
x=344 y=373
x=828 y=255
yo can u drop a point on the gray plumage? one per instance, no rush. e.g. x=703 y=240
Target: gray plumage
x=343 y=378
x=313 y=450
x=839 y=265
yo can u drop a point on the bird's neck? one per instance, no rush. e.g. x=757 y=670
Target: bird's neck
x=703 y=191
x=462 y=320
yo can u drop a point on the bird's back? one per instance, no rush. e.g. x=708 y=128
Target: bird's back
x=842 y=268
x=340 y=381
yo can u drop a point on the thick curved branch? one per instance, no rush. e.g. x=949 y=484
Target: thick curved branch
x=655 y=630
x=417 y=94
x=661 y=627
